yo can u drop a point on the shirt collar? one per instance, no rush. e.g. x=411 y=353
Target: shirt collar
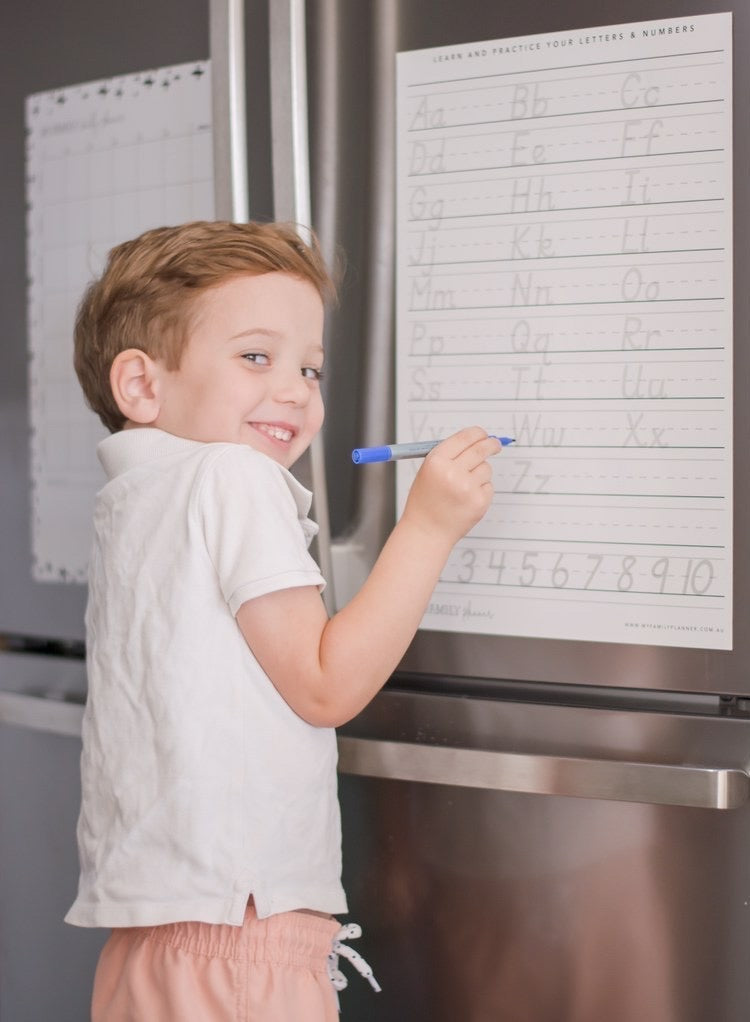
x=131 y=447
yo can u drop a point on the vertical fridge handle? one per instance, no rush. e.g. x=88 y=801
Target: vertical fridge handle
x=354 y=553
x=291 y=202
x=227 y=48
x=698 y=787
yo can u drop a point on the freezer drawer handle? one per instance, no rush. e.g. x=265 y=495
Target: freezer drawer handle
x=615 y=780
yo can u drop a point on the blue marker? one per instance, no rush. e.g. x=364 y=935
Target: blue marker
x=394 y=452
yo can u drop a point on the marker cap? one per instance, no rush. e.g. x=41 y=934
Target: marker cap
x=363 y=455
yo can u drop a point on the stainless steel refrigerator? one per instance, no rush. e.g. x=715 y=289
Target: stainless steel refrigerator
x=535 y=830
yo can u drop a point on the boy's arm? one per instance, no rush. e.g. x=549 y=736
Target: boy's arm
x=328 y=670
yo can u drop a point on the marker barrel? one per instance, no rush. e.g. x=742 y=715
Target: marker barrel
x=394 y=452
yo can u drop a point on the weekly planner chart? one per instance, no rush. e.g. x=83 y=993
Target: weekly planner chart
x=105 y=161
x=564 y=235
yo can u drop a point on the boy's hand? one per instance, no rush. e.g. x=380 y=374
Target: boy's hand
x=453 y=488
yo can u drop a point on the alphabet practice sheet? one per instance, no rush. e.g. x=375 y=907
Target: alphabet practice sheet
x=105 y=161
x=564 y=234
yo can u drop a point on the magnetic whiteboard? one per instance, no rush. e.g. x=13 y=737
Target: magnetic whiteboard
x=564 y=235
x=105 y=161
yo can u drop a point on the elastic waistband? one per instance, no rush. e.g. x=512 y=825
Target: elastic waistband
x=290 y=938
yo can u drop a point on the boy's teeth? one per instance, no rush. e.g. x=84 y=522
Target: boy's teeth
x=276 y=433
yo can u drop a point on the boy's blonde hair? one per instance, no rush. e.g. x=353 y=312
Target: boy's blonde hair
x=146 y=294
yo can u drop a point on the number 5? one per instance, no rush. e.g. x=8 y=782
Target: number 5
x=528 y=566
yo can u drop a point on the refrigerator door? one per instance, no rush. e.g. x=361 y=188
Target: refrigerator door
x=351 y=64
x=483 y=897
x=53 y=48
x=56 y=48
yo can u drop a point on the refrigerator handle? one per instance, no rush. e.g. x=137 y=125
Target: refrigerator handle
x=292 y=202
x=613 y=780
x=353 y=553
x=227 y=46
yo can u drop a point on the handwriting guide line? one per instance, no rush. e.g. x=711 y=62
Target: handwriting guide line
x=564 y=67
x=562 y=113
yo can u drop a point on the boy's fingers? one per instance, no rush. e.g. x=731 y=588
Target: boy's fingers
x=455 y=445
x=478 y=453
x=483 y=472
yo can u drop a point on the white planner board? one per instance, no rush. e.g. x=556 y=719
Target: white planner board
x=564 y=235
x=105 y=161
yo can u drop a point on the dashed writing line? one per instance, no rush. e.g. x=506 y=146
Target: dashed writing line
x=560 y=163
x=562 y=113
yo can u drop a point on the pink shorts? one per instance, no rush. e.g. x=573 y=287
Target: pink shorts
x=267 y=970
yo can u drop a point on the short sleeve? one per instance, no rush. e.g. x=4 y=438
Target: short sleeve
x=253 y=516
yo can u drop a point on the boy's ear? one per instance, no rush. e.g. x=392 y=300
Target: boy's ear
x=134 y=379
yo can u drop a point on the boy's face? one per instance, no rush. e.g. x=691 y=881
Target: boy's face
x=250 y=371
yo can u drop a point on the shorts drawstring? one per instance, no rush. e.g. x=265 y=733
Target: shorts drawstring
x=349 y=932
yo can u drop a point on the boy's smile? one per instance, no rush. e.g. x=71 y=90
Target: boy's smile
x=250 y=371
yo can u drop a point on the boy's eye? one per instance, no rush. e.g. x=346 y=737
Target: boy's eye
x=257 y=358
x=311 y=373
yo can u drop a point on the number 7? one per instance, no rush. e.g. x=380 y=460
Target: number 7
x=593 y=557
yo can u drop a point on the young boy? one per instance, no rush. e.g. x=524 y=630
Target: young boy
x=209 y=833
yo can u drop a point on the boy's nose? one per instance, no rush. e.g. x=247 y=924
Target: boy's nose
x=292 y=389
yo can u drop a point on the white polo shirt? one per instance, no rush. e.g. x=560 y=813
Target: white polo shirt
x=200 y=785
